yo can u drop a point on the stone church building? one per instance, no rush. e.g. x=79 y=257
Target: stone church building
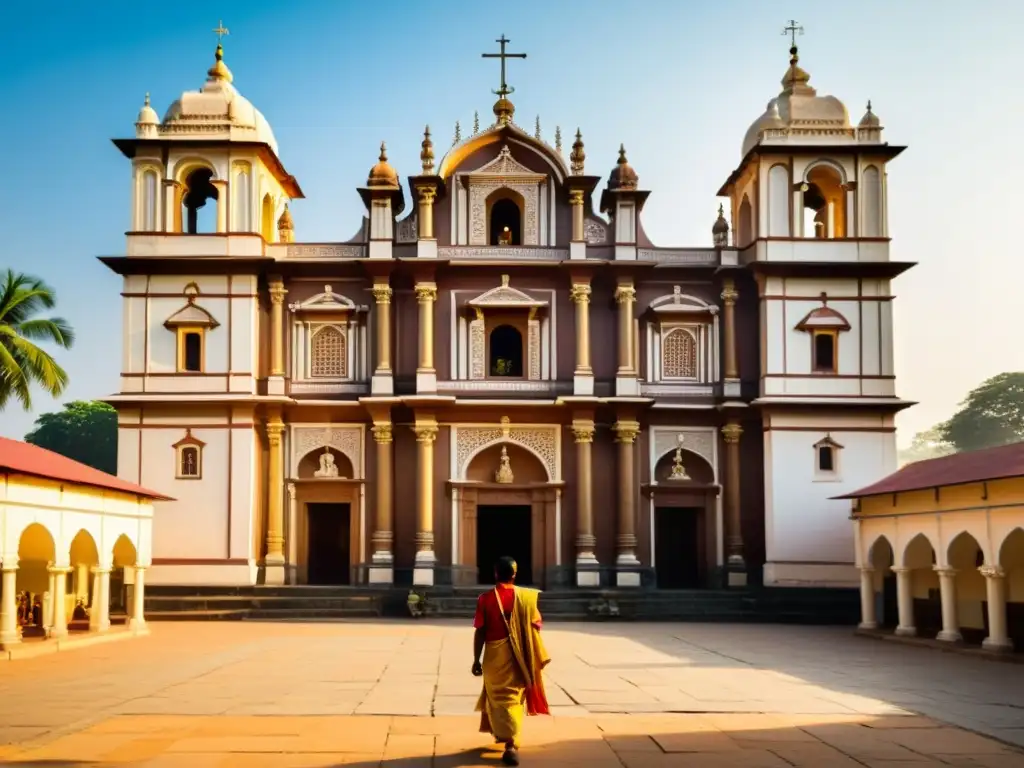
x=500 y=361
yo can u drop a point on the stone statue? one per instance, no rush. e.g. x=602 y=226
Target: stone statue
x=504 y=472
x=678 y=470
x=327 y=466
x=505 y=238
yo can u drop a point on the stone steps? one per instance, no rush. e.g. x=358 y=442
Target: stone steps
x=777 y=605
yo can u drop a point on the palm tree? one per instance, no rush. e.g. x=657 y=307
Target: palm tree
x=22 y=363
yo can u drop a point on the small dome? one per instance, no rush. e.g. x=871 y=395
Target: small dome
x=147 y=115
x=870 y=119
x=623 y=176
x=285 y=221
x=504 y=110
x=721 y=226
x=382 y=174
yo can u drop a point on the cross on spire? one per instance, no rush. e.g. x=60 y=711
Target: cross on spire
x=505 y=89
x=220 y=31
x=793 y=30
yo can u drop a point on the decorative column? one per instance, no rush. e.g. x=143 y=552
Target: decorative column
x=426 y=376
x=382 y=382
x=587 y=574
x=731 y=373
x=81 y=581
x=426 y=194
x=291 y=535
x=221 y=186
x=275 y=386
x=995 y=594
x=60 y=613
x=274 y=561
x=99 y=609
x=382 y=571
x=48 y=601
x=627 y=564
x=9 y=603
x=576 y=197
x=583 y=376
x=137 y=622
x=172 y=203
x=904 y=602
x=868 y=617
x=426 y=435
x=736 y=566
x=626 y=383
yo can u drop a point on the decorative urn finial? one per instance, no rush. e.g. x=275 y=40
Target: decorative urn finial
x=427 y=152
x=577 y=156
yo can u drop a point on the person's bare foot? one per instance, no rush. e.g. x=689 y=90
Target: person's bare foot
x=511 y=756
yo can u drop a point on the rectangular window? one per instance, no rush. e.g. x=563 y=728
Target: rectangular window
x=193 y=352
x=824 y=352
x=826 y=459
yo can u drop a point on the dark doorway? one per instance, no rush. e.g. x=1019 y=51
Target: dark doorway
x=506 y=223
x=328 y=551
x=677 y=549
x=506 y=352
x=889 y=615
x=504 y=531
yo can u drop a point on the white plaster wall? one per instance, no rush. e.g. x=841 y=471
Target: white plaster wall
x=802 y=521
x=195 y=525
x=779 y=198
x=244 y=450
x=133 y=351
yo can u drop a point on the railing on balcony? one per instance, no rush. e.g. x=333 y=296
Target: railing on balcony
x=492 y=387
x=318 y=251
x=502 y=253
x=698 y=257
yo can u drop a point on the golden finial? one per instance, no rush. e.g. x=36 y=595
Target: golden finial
x=427 y=153
x=558 y=139
x=720 y=229
x=146 y=102
x=219 y=70
x=383 y=152
x=458 y=133
x=536 y=129
x=577 y=156
x=795 y=76
x=285 y=226
x=476 y=122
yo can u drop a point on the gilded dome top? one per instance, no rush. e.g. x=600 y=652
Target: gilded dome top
x=383 y=173
x=147 y=115
x=870 y=119
x=720 y=226
x=623 y=176
x=285 y=221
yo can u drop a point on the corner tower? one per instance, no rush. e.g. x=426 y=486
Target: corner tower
x=809 y=209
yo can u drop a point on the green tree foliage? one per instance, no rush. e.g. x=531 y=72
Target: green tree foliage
x=22 y=362
x=84 y=431
x=926 y=445
x=992 y=414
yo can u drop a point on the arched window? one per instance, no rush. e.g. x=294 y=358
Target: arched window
x=678 y=355
x=200 y=218
x=241 y=204
x=824 y=202
x=746 y=233
x=871 y=200
x=329 y=353
x=506 y=352
x=506 y=223
x=267 y=219
x=150 y=185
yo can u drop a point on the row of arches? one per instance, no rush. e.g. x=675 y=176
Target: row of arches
x=47 y=593
x=826 y=204
x=957 y=594
x=201 y=206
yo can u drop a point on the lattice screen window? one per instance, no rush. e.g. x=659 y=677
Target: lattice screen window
x=678 y=354
x=328 y=353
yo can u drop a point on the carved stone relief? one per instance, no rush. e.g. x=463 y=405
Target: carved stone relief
x=533 y=350
x=700 y=442
x=594 y=232
x=407 y=230
x=347 y=440
x=541 y=441
x=477 y=347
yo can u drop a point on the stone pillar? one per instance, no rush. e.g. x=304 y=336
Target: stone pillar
x=995 y=595
x=731 y=374
x=137 y=622
x=275 y=386
x=172 y=206
x=99 y=611
x=9 y=603
x=222 y=204
x=291 y=535
x=904 y=602
x=626 y=381
x=583 y=376
x=382 y=570
x=274 y=561
x=587 y=574
x=425 y=212
x=868 y=617
x=947 y=591
x=426 y=435
x=627 y=564
x=382 y=382
x=426 y=375
x=60 y=613
x=736 y=566
x=48 y=601
x=82 y=582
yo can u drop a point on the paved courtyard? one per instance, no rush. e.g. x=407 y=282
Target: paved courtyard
x=399 y=694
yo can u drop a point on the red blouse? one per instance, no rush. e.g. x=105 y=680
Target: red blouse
x=489 y=615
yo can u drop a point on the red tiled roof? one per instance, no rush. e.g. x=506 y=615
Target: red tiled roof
x=955 y=469
x=28 y=459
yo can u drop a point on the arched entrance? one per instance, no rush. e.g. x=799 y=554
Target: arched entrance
x=35 y=583
x=684 y=522
x=506 y=506
x=84 y=558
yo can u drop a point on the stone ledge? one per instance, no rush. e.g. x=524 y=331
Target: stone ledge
x=938 y=645
x=32 y=649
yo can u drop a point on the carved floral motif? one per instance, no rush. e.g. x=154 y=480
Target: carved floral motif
x=541 y=441
x=533 y=350
x=594 y=232
x=700 y=442
x=407 y=230
x=347 y=440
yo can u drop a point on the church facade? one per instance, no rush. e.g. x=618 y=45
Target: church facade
x=500 y=361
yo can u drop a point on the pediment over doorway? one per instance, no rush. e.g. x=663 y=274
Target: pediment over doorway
x=505 y=296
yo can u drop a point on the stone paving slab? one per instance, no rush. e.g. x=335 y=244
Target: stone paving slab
x=357 y=693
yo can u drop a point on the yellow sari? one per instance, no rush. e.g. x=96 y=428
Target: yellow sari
x=513 y=683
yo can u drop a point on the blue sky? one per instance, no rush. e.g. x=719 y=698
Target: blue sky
x=677 y=82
